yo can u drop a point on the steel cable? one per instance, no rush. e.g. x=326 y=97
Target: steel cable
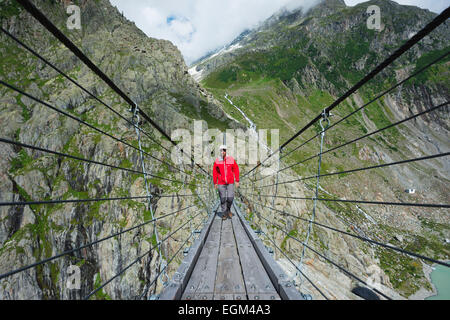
x=7 y=274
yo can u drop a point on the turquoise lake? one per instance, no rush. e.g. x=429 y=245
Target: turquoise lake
x=441 y=279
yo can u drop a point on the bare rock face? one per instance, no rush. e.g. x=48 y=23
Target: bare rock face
x=374 y=156
x=153 y=73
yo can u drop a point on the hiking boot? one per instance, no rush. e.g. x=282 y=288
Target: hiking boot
x=224 y=216
x=230 y=215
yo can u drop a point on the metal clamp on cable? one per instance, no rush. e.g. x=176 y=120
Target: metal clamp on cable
x=325 y=116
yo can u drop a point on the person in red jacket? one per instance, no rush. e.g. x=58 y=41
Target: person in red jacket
x=225 y=175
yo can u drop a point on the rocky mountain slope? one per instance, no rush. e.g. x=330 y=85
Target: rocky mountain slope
x=283 y=73
x=153 y=73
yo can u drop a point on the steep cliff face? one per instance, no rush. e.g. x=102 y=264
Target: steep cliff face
x=153 y=73
x=285 y=72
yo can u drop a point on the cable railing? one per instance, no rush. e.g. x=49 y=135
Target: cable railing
x=29 y=203
x=209 y=195
x=90 y=244
x=354 y=112
x=68 y=252
x=436 y=22
x=439 y=155
x=293 y=263
x=322 y=256
x=146 y=253
x=24 y=145
x=84 y=122
x=357 y=236
x=280 y=228
x=250 y=198
x=407 y=204
x=122 y=271
x=173 y=256
x=33 y=52
x=44 y=21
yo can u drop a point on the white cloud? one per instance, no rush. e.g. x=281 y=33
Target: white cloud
x=199 y=26
x=153 y=17
x=181 y=27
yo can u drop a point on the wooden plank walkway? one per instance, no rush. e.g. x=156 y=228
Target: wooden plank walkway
x=228 y=267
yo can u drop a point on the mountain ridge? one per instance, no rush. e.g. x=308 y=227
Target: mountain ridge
x=284 y=73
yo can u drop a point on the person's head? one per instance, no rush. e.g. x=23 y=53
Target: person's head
x=223 y=151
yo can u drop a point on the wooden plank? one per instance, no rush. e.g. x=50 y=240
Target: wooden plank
x=263 y=296
x=229 y=296
x=203 y=276
x=257 y=281
x=229 y=278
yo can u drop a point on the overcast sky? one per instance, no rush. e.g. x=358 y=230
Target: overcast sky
x=199 y=26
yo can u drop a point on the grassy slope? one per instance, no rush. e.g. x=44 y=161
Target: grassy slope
x=254 y=82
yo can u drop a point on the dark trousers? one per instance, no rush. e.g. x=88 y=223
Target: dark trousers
x=226 y=194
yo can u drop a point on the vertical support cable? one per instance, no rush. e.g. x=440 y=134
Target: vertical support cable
x=269 y=249
x=136 y=120
x=254 y=188
x=276 y=180
x=213 y=195
x=276 y=190
x=322 y=137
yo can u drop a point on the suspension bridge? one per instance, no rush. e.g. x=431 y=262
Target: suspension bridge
x=231 y=259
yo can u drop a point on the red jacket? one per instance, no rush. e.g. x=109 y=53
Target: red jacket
x=225 y=172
